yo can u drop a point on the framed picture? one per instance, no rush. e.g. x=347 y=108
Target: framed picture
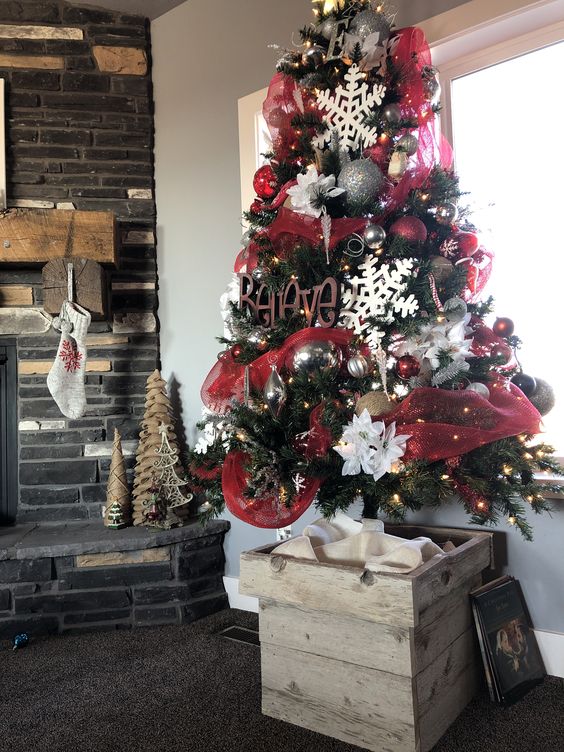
x=254 y=141
x=2 y=149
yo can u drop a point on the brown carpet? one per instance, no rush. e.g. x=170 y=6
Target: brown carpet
x=185 y=689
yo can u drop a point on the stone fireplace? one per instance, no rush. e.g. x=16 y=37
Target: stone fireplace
x=79 y=137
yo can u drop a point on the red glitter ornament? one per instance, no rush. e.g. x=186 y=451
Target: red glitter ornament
x=468 y=243
x=503 y=327
x=410 y=228
x=407 y=367
x=265 y=182
x=236 y=350
x=257 y=206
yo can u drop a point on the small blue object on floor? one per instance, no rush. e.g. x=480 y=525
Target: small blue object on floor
x=20 y=641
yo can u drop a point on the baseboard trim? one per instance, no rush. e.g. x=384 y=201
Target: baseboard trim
x=236 y=600
x=551 y=646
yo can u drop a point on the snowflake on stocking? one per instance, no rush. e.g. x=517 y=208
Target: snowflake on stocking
x=70 y=356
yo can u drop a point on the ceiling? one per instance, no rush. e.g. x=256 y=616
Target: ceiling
x=150 y=8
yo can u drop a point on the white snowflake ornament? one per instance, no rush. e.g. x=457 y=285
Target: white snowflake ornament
x=378 y=292
x=346 y=110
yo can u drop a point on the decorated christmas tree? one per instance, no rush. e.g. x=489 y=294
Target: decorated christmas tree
x=157 y=413
x=360 y=358
x=118 y=503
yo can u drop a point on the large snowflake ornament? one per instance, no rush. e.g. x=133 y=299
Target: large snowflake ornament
x=379 y=292
x=346 y=109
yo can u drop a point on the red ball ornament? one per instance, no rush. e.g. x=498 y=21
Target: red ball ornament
x=410 y=228
x=503 y=327
x=407 y=367
x=236 y=350
x=468 y=243
x=265 y=182
x=503 y=352
x=257 y=206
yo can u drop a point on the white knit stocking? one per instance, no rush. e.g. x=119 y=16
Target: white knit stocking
x=66 y=377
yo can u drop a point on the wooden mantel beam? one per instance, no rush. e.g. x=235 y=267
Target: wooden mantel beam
x=35 y=236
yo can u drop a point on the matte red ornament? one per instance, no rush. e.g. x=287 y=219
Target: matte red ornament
x=410 y=228
x=265 y=182
x=503 y=327
x=407 y=367
x=236 y=350
x=468 y=243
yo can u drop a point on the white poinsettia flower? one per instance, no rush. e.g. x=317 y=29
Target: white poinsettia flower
x=434 y=340
x=392 y=447
x=311 y=192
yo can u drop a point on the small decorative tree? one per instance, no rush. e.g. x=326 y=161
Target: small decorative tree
x=157 y=412
x=118 y=504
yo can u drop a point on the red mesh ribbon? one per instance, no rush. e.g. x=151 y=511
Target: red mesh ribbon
x=225 y=381
x=294 y=224
x=446 y=423
x=479 y=271
x=268 y=511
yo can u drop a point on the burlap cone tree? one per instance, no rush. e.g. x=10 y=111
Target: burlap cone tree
x=118 y=502
x=157 y=412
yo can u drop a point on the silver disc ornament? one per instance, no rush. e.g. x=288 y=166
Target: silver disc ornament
x=358 y=366
x=314 y=55
x=455 y=309
x=409 y=144
x=317 y=355
x=362 y=180
x=446 y=213
x=275 y=393
x=368 y=22
x=374 y=237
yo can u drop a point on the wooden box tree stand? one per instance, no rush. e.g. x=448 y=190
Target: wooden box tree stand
x=383 y=661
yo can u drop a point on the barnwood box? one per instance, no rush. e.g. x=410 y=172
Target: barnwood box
x=383 y=661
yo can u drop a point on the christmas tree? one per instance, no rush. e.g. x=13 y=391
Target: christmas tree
x=118 y=504
x=157 y=412
x=359 y=355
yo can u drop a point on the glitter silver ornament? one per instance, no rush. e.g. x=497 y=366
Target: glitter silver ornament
x=317 y=355
x=446 y=213
x=258 y=273
x=275 y=393
x=409 y=144
x=543 y=397
x=455 y=309
x=358 y=366
x=327 y=27
x=257 y=338
x=368 y=22
x=362 y=180
x=314 y=55
x=374 y=237
x=392 y=113
x=479 y=388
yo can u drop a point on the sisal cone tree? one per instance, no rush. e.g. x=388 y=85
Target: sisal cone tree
x=157 y=412
x=118 y=501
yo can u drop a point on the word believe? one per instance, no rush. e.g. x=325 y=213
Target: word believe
x=318 y=304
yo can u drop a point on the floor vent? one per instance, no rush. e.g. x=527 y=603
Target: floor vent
x=241 y=634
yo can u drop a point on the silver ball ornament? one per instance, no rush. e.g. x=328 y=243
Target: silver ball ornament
x=441 y=268
x=257 y=338
x=275 y=393
x=392 y=113
x=362 y=180
x=358 y=366
x=314 y=55
x=479 y=388
x=368 y=22
x=446 y=213
x=374 y=237
x=455 y=309
x=543 y=397
x=409 y=144
x=317 y=355
x=327 y=27
x=258 y=273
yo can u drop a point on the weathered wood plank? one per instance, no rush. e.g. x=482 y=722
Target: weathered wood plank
x=445 y=688
x=23 y=321
x=28 y=31
x=364 y=643
x=36 y=367
x=442 y=623
x=383 y=598
x=89 y=285
x=16 y=295
x=358 y=705
x=148 y=555
x=37 y=236
x=38 y=62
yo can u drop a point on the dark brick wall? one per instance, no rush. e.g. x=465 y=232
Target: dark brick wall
x=81 y=137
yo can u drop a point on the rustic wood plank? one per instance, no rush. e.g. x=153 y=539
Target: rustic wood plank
x=145 y=556
x=36 y=367
x=445 y=688
x=442 y=623
x=383 y=598
x=28 y=31
x=16 y=295
x=37 y=62
x=89 y=285
x=37 y=236
x=105 y=340
x=360 y=642
x=358 y=705
x=441 y=575
x=23 y=321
